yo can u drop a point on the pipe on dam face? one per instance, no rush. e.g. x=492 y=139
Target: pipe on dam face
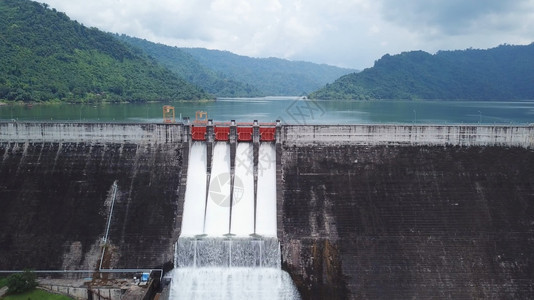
x=232 y=140
x=255 y=161
x=209 y=155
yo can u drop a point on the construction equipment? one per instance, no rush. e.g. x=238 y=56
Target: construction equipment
x=168 y=114
x=201 y=117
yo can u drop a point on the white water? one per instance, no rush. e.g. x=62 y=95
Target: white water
x=227 y=252
x=215 y=267
x=195 y=193
x=218 y=210
x=232 y=283
x=243 y=209
x=266 y=199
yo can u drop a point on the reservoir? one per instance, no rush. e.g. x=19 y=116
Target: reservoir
x=290 y=110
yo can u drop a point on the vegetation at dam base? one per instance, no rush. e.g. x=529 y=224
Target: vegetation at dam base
x=502 y=73
x=22 y=286
x=21 y=282
x=45 y=56
x=35 y=294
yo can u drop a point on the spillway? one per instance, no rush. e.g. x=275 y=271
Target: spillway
x=193 y=221
x=266 y=206
x=243 y=204
x=218 y=204
x=223 y=255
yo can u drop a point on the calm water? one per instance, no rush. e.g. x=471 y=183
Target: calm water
x=289 y=110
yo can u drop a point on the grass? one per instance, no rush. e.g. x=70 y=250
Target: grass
x=3 y=282
x=36 y=294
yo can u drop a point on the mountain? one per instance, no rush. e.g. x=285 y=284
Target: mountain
x=502 y=73
x=272 y=76
x=225 y=74
x=187 y=67
x=44 y=56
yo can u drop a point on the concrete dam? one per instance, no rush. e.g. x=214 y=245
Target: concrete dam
x=362 y=211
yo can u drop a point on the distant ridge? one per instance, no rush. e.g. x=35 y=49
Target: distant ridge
x=226 y=74
x=187 y=67
x=272 y=76
x=44 y=56
x=502 y=73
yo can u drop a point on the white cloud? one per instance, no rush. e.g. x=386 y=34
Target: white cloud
x=350 y=33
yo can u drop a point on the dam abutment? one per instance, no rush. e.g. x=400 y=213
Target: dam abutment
x=383 y=211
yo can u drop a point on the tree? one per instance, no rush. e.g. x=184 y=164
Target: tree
x=21 y=282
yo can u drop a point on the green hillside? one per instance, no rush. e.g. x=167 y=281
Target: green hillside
x=44 y=56
x=502 y=73
x=187 y=67
x=272 y=76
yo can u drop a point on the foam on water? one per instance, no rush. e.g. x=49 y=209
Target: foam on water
x=224 y=252
x=232 y=283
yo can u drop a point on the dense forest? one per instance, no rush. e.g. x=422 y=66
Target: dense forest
x=188 y=68
x=271 y=76
x=45 y=56
x=502 y=73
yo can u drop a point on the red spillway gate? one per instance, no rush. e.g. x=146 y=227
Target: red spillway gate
x=267 y=134
x=244 y=134
x=198 y=133
x=222 y=133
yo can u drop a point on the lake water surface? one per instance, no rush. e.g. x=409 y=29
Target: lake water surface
x=290 y=110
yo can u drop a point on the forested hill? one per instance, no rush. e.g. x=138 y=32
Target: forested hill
x=502 y=73
x=45 y=56
x=229 y=75
x=272 y=76
x=187 y=67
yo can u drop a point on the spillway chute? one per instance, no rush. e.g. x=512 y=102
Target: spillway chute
x=228 y=247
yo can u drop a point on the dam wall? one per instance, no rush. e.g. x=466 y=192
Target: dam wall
x=407 y=212
x=89 y=196
x=363 y=211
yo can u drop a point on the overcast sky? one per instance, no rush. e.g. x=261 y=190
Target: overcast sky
x=346 y=33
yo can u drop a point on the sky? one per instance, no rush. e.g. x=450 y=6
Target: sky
x=344 y=33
